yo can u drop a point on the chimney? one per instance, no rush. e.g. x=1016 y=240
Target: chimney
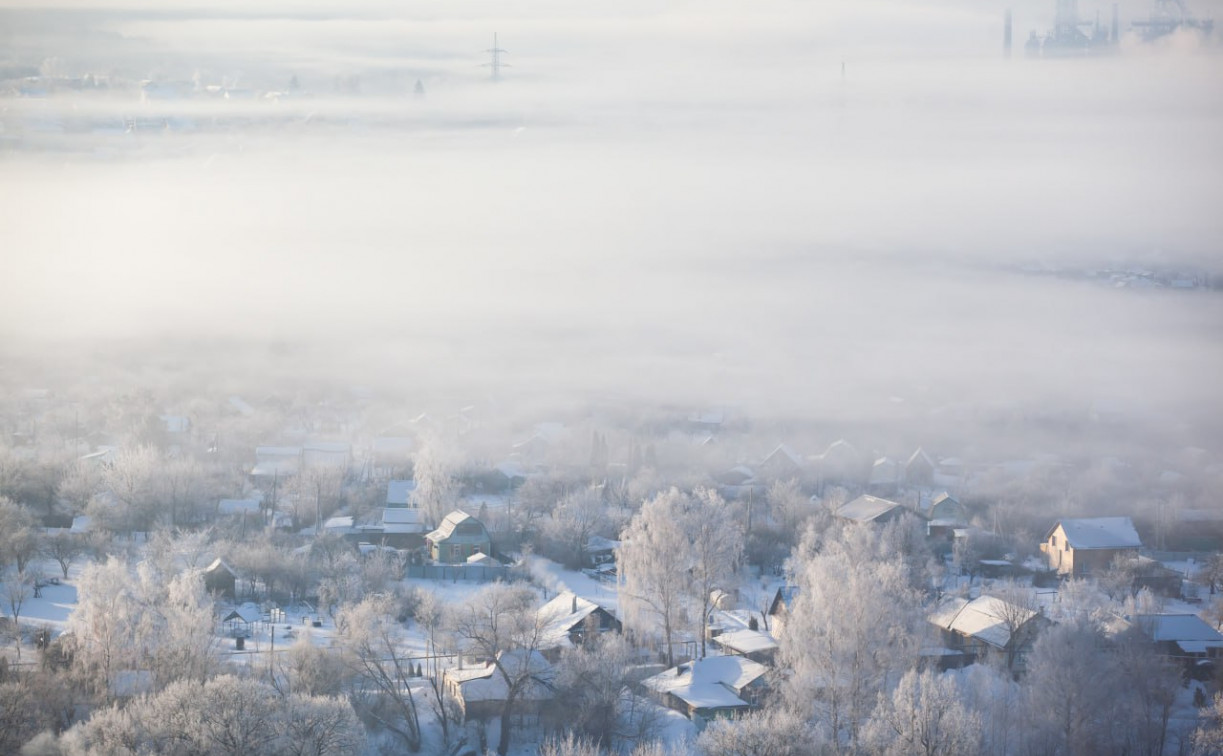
x=573 y=607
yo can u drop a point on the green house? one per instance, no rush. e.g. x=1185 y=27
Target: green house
x=458 y=537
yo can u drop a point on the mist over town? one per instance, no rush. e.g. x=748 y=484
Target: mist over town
x=637 y=378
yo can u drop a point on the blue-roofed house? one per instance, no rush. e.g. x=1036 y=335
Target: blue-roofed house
x=1086 y=545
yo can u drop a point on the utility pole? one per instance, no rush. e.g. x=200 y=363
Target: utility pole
x=494 y=62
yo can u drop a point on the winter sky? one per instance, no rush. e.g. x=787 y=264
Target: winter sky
x=807 y=205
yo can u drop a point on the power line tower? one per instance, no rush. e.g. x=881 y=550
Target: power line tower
x=494 y=61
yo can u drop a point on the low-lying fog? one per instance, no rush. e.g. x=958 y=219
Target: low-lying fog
x=814 y=209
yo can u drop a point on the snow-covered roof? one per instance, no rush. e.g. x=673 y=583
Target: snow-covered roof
x=920 y=455
x=560 y=615
x=599 y=543
x=237 y=506
x=982 y=618
x=710 y=683
x=342 y=522
x=1181 y=629
x=398 y=492
x=747 y=641
x=451 y=522
x=866 y=508
x=1099 y=533
x=785 y=452
x=486 y=684
x=398 y=517
x=218 y=565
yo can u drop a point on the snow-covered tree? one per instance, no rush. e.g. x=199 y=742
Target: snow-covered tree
x=925 y=715
x=675 y=552
x=142 y=620
x=768 y=732
x=853 y=628
x=374 y=644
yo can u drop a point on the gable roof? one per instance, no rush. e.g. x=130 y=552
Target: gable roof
x=866 y=508
x=399 y=492
x=486 y=684
x=560 y=615
x=982 y=618
x=446 y=530
x=784 y=452
x=1099 y=533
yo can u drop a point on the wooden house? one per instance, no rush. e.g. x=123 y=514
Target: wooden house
x=459 y=536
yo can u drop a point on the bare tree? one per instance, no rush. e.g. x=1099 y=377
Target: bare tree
x=19 y=534
x=1016 y=606
x=374 y=645
x=500 y=624
x=64 y=548
x=18 y=586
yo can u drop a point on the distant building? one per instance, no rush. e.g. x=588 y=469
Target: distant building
x=220 y=578
x=1082 y=546
x=870 y=510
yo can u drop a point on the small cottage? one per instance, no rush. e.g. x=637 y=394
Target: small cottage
x=459 y=536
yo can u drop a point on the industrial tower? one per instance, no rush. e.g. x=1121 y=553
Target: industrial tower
x=494 y=60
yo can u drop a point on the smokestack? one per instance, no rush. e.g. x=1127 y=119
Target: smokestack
x=1006 y=35
x=1116 y=37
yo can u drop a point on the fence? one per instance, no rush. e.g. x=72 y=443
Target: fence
x=457 y=572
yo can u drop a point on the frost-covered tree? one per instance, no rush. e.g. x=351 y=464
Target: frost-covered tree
x=500 y=624
x=19 y=535
x=675 y=552
x=437 y=487
x=594 y=693
x=714 y=550
x=224 y=716
x=64 y=548
x=375 y=647
x=1069 y=692
x=925 y=715
x=769 y=732
x=852 y=630
x=140 y=619
x=575 y=519
x=653 y=563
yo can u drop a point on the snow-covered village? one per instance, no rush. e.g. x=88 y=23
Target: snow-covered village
x=625 y=378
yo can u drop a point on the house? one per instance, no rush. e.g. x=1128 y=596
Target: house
x=841 y=462
x=757 y=645
x=399 y=493
x=567 y=620
x=870 y=510
x=459 y=536
x=919 y=469
x=276 y=461
x=1183 y=636
x=884 y=474
x=600 y=551
x=334 y=455
x=781 y=463
x=988 y=627
x=709 y=688
x=779 y=608
x=220 y=578
x=944 y=514
x=479 y=692
x=1083 y=546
